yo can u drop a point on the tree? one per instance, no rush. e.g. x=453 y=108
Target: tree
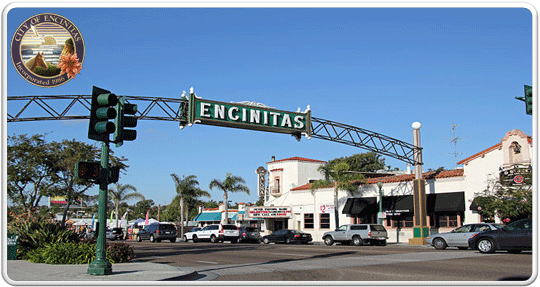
x=186 y=188
x=121 y=195
x=66 y=154
x=338 y=176
x=30 y=174
x=231 y=183
x=141 y=207
x=363 y=162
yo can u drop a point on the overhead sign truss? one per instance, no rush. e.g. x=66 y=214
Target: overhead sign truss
x=194 y=110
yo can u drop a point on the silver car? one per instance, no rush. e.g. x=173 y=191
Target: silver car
x=459 y=237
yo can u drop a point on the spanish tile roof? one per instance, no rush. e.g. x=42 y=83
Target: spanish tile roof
x=401 y=178
x=297 y=158
x=481 y=154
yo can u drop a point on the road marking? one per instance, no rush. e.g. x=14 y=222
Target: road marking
x=208 y=262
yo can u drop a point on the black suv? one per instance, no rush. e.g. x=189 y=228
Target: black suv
x=157 y=232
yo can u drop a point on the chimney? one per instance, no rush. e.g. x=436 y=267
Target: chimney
x=200 y=209
x=409 y=171
x=273 y=158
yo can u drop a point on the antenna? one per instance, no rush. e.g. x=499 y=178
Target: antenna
x=454 y=140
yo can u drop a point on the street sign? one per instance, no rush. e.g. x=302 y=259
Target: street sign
x=247 y=116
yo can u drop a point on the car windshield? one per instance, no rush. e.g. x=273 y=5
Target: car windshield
x=497 y=225
x=166 y=227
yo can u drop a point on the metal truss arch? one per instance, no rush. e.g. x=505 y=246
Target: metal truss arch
x=77 y=107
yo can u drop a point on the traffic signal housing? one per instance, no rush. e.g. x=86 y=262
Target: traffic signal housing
x=122 y=121
x=87 y=170
x=102 y=109
x=528 y=100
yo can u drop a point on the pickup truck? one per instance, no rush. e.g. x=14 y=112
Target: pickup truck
x=357 y=234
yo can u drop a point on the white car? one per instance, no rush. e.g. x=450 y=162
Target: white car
x=189 y=235
x=218 y=233
x=459 y=237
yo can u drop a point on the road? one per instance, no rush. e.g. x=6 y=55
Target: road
x=314 y=262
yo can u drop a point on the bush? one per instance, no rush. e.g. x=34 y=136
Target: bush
x=79 y=253
x=36 y=232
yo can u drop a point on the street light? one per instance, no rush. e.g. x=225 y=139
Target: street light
x=379 y=217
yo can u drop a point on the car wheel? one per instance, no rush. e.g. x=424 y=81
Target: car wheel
x=382 y=242
x=234 y=240
x=139 y=238
x=214 y=239
x=357 y=241
x=439 y=244
x=485 y=245
x=185 y=239
x=288 y=241
x=195 y=239
x=173 y=240
x=152 y=239
x=266 y=241
x=328 y=240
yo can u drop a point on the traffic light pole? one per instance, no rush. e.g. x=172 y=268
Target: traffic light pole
x=101 y=266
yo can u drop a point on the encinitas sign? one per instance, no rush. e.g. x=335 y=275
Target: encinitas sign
x=252 y=117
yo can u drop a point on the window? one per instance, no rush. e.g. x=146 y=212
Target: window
x=277 y=188
x=308 y=220
x=481 y=227
x=400 y=221
x=448 y=220
x=342 y=228
x=464 y=229
x=324 y=220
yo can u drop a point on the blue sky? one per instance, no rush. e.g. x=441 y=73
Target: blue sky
x=377 y=69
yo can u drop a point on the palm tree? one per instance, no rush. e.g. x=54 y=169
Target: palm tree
x=186 y=189
x=231 y=183
x=121 y=195
x=337 y=176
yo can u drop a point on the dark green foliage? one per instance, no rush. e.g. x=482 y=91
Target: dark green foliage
x=363 y=162
x=51 y=71
x=79 y=253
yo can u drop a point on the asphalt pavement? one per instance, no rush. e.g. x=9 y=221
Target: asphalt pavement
x=19 y=272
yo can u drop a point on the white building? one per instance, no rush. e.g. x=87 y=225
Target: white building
x=290 y=202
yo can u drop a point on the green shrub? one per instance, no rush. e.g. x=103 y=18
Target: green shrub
x=51 y=71
x=79 y=253
x=35 y=232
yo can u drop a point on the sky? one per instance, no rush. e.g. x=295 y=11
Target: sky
x=379 y=69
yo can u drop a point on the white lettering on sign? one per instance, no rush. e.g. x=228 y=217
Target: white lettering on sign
x=204 y=110
x=219 y=112
x=298 y=122
x=269 y=211
x=232 y=116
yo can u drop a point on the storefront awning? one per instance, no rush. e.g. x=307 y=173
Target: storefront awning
x=208 y=216
x=450 y=201
x=362 y=205
x=398 y=203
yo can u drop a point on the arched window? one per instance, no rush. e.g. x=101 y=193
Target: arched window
x=515 y=152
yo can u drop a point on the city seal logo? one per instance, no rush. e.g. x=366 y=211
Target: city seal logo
x=47 y=50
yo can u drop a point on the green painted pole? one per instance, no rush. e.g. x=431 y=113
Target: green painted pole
x=100 y=266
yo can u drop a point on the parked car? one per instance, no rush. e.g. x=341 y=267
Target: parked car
x=514 y=238
x=217 y=233
x=115 y=234
x=250 y=234
x=288 y=236
x=459 y=237
x=189 y=235
x=157 y=232
x=357 y=234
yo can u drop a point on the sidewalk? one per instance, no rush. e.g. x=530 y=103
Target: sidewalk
x=23 y=272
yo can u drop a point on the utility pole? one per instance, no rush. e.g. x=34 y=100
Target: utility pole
x=420 y=228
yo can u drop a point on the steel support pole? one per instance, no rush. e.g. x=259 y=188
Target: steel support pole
x=420 y=228
x=100 y=266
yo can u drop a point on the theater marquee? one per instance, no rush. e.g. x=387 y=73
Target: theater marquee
x=269 y=212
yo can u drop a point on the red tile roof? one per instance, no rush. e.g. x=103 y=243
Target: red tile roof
x=481 y=154
x=297 y=158
x=401 y=178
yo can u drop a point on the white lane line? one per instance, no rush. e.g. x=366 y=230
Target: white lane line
x=208 y=262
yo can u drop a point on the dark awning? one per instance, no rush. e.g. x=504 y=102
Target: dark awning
x=449 y=201
x=435 y=202
x=362 y=205
x=398 y=203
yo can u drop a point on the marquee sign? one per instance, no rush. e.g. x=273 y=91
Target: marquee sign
x=245 y=116
x=269 y=211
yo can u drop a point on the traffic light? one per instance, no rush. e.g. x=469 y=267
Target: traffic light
x=528 y=100
x=100 y=112
x=122 y=121
x=88 y=170
x=114 y=174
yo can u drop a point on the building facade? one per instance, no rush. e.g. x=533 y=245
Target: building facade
x=290 y=202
